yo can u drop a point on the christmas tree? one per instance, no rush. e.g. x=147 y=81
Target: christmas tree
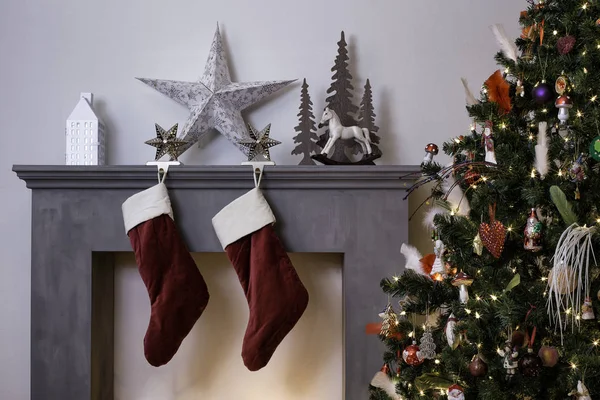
x=340 y=100
x=306 y=136
x=512 y=288
x=366 y=114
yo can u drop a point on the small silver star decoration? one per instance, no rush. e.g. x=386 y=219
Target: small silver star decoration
x=167 y=142
x=258 y=143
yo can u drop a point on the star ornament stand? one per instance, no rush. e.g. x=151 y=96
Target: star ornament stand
x=166 y=142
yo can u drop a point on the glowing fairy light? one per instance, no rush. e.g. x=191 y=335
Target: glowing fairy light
x=494 y=297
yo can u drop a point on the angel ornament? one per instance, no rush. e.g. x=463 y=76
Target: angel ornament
x=581 y=393
x=488 y=143
x=510 y=359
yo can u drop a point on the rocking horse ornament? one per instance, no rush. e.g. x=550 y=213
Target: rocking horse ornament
x=339 y=131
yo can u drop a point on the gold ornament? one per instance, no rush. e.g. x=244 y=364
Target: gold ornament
x=167 y=142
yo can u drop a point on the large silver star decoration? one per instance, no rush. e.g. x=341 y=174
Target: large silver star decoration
x=167 y=142
x=214 y=101
x=258 y=144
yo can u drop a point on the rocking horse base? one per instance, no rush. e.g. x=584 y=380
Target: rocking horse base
x=367 y=160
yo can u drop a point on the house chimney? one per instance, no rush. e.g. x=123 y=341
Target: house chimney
x=89 y=97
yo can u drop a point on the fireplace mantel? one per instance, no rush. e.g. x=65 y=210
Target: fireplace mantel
x=77 y=224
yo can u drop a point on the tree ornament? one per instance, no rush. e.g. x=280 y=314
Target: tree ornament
x=595 y=148
x=382 y=381
x=548 y=355
x=561 y=85
x=520 y=89
x=598 y=295
x=587 y=311
x=571 y=263
x=449 y=331
x=431 y=150
x=517 y=339
x=412 y=355
x=541 y=150
x=581 y=393
x=462 y=280
x=563 y=103
x=576 y=172
x=478 y=245
x=565 y=44
x=427 y=345
x=488 y=143
x=390 y=321
x=510 y=359
x=456 y=392
x=498 y=91
x=533 y=233
x=478 y=367
x=542 y=93
x=493 y=234
x=438 y=270
x=598 y=22
x=470 y=176
x=530 y=364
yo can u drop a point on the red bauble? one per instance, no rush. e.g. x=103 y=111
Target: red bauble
x=412 y=355
x=530 y=364
x=549 y=356
x=478 y=367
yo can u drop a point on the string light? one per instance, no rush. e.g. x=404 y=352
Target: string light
x=530 y=137
x=584 y=70
x=503 y=125
x=545 y=110
x=598 y=46
x=484 y=178
x=477 y=315
x=437 y=361
x=396 y=279
x=477 y=298
x=573 y=365
x=411 y=334
x=478 y=345
x=584 y=6
x=457 y=140
x=560 y=172
x=403 y=313
x=595 y=342
x=514 y=270
x=421 y=393
x=598 y=221
x=494 y=297
x=577 y=317
x=568 y=311
x=544 y=278
x=474 y=186
x=498 y=350
x=533 y=173
x=583 y=54
x=555 y=32
x=506 y=70
x=509 y=228
x=579 y=114
x=468 y=311
x=594 y=97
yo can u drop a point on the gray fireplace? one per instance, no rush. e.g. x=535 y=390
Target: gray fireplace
x=77 y=226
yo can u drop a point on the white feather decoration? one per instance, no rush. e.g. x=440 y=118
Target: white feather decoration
x=541 y=150
x=430 y=215
x=508 y=47
x=456 y=198
x=413 y=258
x=469 y=98
x=382 y=381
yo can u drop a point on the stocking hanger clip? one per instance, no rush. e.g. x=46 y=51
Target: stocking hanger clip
x=257 y=170
x=162 y=168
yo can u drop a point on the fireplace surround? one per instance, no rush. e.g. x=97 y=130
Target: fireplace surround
x=77 y=225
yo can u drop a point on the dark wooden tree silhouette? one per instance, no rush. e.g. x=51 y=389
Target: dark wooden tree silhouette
x=366 y=116
x=340 y=101
x=307 y=136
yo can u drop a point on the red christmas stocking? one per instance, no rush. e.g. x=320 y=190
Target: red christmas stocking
x=177 y=291
x=276 y=296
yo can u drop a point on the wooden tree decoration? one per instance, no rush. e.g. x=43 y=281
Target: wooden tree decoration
x=340 y=101
x=306 y=129
x=367 y=118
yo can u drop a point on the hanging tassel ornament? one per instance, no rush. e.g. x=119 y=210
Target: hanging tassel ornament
x=571 y=269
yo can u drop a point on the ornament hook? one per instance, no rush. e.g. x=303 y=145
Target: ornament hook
x=257 y=170
x=162 y=167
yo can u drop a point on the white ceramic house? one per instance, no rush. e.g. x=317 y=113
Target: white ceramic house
x=85 y=136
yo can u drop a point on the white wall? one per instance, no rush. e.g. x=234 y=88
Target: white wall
x=414 y=53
